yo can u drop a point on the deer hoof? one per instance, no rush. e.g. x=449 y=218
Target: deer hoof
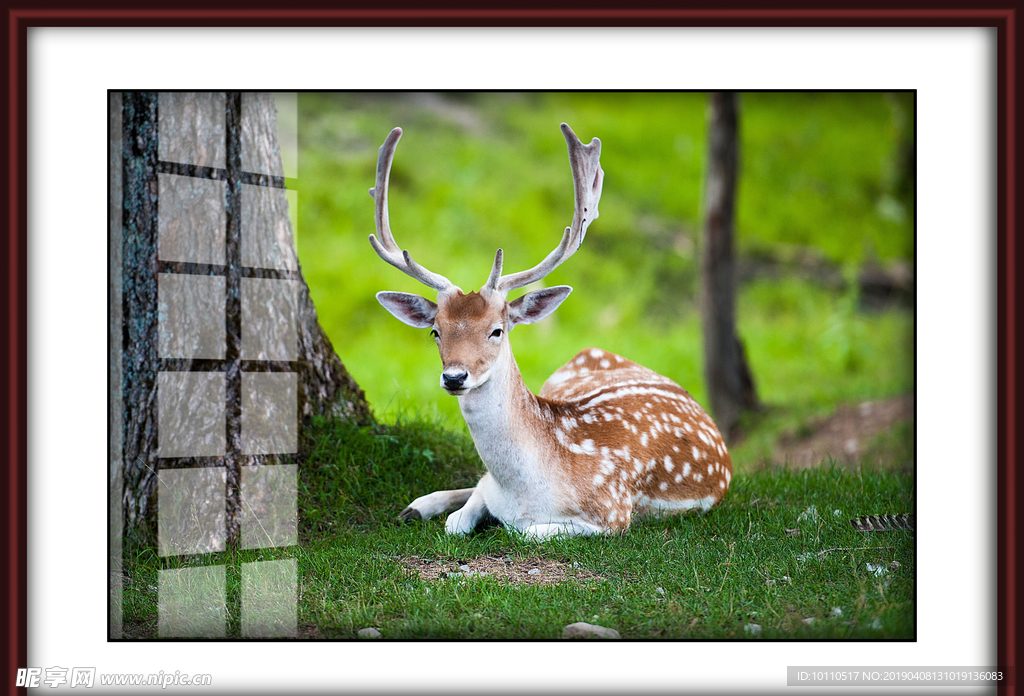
x=409 y=515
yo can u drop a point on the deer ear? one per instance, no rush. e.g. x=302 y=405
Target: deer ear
x=534 y=306
x=409 y=308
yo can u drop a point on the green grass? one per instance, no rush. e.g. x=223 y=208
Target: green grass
x=777 y=551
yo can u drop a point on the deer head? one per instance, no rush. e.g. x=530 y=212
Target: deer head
x=471 y=330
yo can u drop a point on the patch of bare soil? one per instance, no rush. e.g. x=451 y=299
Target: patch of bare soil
x=508 y=570
x=846 y=434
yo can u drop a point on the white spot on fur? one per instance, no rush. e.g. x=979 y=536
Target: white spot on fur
x=721 y=484
x=643 y=440
x=686 y=468
x=663 y=486
x=598 y=479
x=605 y=364
x=580 y=360
x=704 y=438
x=560 y=436
x=596 y=353
x=588 y=446
x=561 y=376
x=668 y=464
x=679 y=477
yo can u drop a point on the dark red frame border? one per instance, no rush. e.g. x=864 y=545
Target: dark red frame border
x=13 y=309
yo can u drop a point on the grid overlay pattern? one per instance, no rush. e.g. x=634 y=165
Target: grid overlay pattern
x=226 y=391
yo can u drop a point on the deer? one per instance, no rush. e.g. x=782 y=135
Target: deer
x=605 y=440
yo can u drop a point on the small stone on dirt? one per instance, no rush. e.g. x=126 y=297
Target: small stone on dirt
x=533 y=571
x=582 y=629
x=369 y=633
x=752 y=629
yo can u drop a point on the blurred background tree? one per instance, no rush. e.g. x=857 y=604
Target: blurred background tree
x=731 y=390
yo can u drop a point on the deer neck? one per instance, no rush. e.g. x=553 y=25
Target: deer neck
x=502 y=414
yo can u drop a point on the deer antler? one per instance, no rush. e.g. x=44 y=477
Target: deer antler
x=587 y=178
x=386 y=247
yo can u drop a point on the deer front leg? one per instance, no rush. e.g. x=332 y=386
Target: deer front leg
x=437 y=503
x=465 y=520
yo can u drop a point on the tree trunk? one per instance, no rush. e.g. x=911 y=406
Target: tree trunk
x=222 y=357
x=729 y=380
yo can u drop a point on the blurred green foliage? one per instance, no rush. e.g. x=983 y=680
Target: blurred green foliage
x=825 y=174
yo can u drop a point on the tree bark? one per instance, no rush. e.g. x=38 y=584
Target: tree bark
x=729 y=380
x=212 y=296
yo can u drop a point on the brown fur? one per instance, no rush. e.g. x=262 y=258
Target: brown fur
x=615 y=450
x=464 y=308
x=464 y=323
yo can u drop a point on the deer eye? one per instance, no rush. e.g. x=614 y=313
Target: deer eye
x=496 y=333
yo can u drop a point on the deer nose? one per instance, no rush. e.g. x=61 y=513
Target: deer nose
x=454 y=380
